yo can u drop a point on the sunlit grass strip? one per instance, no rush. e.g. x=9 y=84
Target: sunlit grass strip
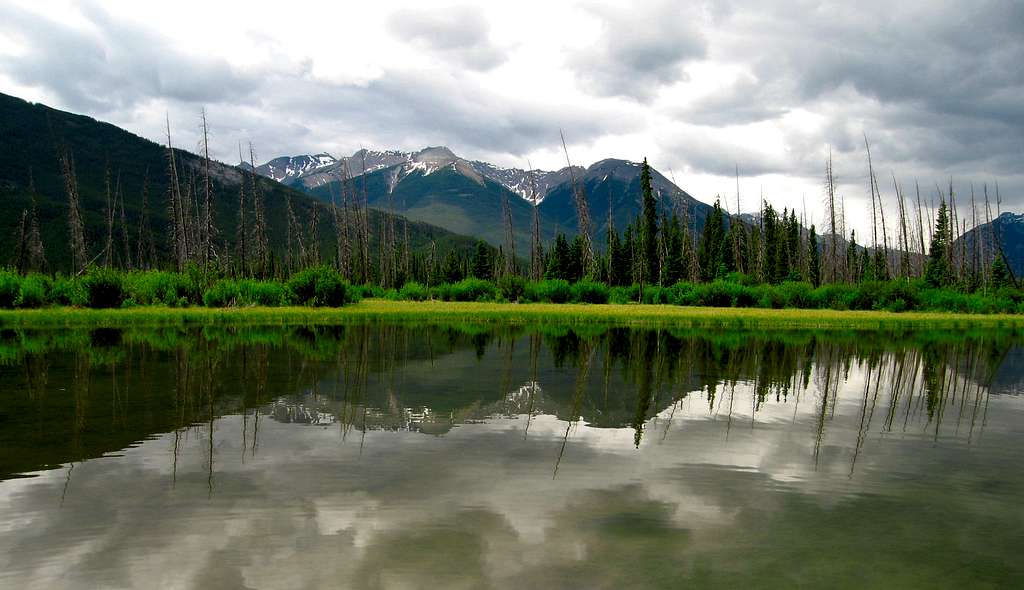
x=443 y=312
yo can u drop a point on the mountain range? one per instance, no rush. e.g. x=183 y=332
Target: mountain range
x=437 y=186
x=450 y=200
x=31 y=135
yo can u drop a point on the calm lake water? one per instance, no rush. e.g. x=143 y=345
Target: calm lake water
x=385 y=456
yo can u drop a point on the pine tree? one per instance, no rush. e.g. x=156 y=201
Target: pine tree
x=575 y=267
x=482 y=264
x=712 y=242
x=451 y=270
x=558 y=262
x=938 y=272
x=675 y=268
x=999 y=277
x=648 y=227
x=813 y=259
x=853 y=266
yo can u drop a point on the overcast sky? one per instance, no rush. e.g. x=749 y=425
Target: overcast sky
x=769 y=86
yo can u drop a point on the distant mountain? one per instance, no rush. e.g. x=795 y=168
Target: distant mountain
x=1008 y=228
x=437 y=187
x=288 y=168
x=615 y=185
x=29 y=138
x=464 y=196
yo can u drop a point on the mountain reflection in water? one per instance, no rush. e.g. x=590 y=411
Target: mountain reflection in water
x=401 y=455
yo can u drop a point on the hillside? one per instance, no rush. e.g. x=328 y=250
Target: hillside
x=1008 y=229
x=29 y=138
x=436 y=186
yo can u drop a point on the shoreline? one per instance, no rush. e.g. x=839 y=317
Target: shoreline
x=380 y=310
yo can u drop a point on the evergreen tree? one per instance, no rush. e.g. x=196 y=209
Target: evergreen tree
x=574 y=268
x=675 y=268
x=618 y=265
x=855 y=270
x=999 y=276
x=558 y=260
x=712 y=241
x=451 y=270
x=482 y=264
x=813 y=259
x=648 y=227
x=772 y=236
x=938 y=272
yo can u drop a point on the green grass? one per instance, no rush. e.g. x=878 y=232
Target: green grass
x=522 y=313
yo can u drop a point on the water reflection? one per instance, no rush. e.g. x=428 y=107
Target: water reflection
x=554 y=456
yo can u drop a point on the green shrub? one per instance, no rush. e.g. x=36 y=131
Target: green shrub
x=589 y=292
x=104 y=288
x=318 y=286
x=10 y=286
x=413 y=292
x=224 y=293
x=172 y=289
x=511 y=287
x=35 y=291
x=548 y=291
x=472 y=290
x=67 y=291
x=796 y=294
x=623 y=295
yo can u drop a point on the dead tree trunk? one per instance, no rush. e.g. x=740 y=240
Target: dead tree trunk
x=75 y=225
x=582 y=214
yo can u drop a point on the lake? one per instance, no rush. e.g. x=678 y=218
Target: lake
x=477 y=455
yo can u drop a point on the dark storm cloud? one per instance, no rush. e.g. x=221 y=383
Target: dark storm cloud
x=936 y=82
x=639 y=51
x=114 y=67
x=460 y=35
x=412 y=109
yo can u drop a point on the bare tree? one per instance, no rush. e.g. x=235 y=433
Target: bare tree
x=510 y=238
x=208 y=231
x=108 y=218
x=177 y=208
x=261 y=243
x=830 y=188
x=145 y=252
x=536 y=248
x=75 y=226
x=582 y=214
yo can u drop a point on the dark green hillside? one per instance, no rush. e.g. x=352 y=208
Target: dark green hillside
x=449 y=199
x=30 y=135
x=619 y=181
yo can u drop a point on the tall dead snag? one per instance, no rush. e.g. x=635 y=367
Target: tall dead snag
x=241 y=231
x=510 y=238
x=830 y=188
x=145 y=252
x=536 y=248
x=108 y=219
x=975 y=250
x=295 y=255
x=737 y=253
x=998 y=240
x=126 y=247
x=313 y=252
x=582 y=214
x=920 y=229
x=177 y=208
x=208 y=229
x=902 y=242
x=260 y=242
x=340 y=234
x=21 y=251
x=75 y=225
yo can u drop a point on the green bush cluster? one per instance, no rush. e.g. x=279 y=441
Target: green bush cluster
x=325 y=286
